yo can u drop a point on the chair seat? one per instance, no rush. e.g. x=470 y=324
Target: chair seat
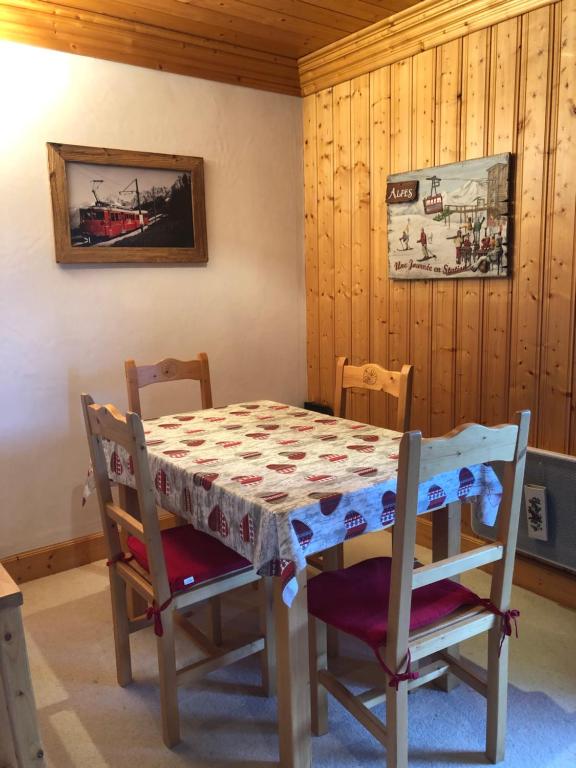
x=191 y=557
x=355 y=600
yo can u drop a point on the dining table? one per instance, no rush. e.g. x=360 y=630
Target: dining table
x=278 y=483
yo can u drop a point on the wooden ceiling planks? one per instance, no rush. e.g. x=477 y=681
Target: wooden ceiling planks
x=255 y=43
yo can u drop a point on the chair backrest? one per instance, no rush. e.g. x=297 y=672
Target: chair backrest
x=169 y=369
x=105 y=422
x=421 y=459
x=373 y=376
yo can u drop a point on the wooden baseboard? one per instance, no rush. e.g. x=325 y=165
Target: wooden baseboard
x=55 y=558
x=541 y=578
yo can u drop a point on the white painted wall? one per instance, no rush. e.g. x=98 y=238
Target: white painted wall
x=65 y=330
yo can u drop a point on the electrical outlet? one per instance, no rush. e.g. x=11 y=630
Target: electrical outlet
x=536 y=511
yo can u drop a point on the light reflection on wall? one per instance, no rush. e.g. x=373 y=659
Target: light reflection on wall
x=33 y=84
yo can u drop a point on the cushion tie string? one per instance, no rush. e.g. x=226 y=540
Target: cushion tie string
x=120 y=558
x=156 y=612
x=508 y=617
x=397 y=677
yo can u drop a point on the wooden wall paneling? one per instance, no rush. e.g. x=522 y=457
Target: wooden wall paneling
x=423 y=118
x=530 y=212
x=360 y=302
x=400 y=159
x=325 y=148
x=495 y=345
x=311 y=246
x=379 y=169
x=470 y=292
x=505 y=66
x=342 y=223
x=442 y=368
x=568 y=113
x=556 y=374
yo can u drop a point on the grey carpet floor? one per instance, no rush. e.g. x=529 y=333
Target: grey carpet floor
x=87 y=721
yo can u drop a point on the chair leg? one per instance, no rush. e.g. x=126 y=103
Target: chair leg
x=317 y=644
x=268 y=630
x=446 y=543
x=497 y=696
x=397 y=726
x=449 y=681
x=118 y=593
x=216 y=619
x=168 y=684
x=129 y=501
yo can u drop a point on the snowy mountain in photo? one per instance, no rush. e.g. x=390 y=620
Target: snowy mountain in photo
x=467 y=193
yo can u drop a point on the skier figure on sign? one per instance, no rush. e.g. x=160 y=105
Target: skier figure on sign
x=466 y=250
x=458 y=244
x=404 y=240
x=423 y=240
x=478 y=229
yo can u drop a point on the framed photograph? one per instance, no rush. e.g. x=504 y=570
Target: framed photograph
x=451 y=221
x=116 y=206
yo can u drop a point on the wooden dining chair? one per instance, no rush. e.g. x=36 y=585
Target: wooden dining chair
x=171 y=569
x=408 y=612
x=169 y=369
x=369 y=376
x=373 y=376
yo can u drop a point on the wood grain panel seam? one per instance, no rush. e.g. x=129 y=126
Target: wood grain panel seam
x=549 y=221
x=521 y=24
x=311 y=246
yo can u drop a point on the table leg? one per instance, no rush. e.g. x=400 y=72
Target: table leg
x=17 y=696
x=446 y=543
x=7 y=754
x=293 y=677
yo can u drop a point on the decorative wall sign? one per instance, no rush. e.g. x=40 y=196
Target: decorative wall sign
x=401 y=192
x=112 y=205
x=460 y=226
x=536 y=511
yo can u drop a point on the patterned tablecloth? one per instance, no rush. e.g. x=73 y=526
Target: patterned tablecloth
x=277 y=483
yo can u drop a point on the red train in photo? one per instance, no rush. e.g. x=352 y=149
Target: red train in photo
x=105 y=222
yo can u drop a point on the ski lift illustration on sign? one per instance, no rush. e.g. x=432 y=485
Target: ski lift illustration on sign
x=433 y=203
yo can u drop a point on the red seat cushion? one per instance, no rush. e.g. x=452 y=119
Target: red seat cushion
x=355 y=600
x=191 y=556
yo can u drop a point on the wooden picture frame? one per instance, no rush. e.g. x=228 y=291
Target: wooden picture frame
x=146 y=207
